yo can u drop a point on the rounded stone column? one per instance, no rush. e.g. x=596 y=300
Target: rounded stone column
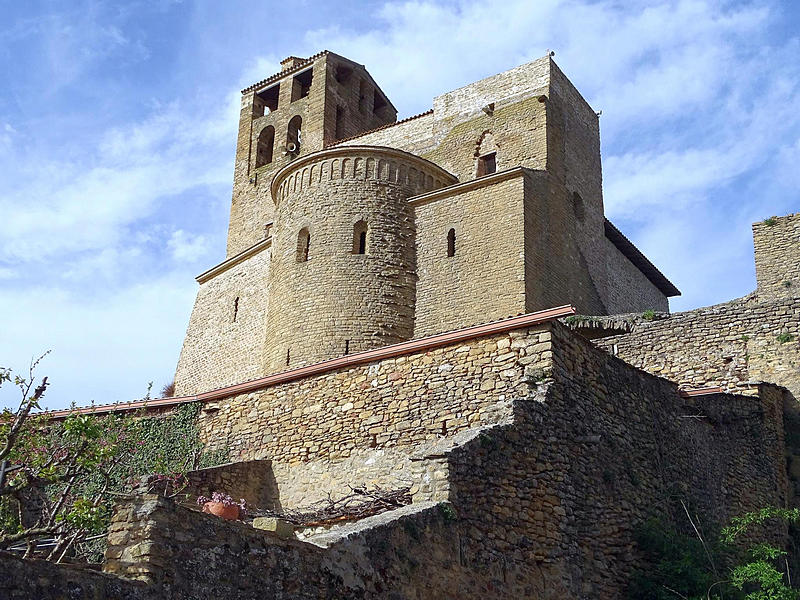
x=343 y=272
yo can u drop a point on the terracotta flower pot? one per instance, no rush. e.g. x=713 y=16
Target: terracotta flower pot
x=229 y=513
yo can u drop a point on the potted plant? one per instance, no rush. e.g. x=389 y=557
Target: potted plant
x=222 y=505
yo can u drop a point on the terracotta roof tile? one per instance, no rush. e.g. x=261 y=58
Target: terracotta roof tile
x=411 y=118
x=282 y=74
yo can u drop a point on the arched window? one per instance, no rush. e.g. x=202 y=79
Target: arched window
x=266 y=140
x=303 y=244
x=451 y=242
x=360 y=237
x=293 y=134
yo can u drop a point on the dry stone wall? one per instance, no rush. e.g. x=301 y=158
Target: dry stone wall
x=777 y=250
x=547 y=450
x=727 y=345
x=595 y=449
x=372 y=417
x=387 y=556
x=225 y=336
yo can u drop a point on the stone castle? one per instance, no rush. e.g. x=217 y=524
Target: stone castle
x=402 y=307
x=350 y=231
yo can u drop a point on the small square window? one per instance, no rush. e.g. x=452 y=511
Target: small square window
x=487 y=164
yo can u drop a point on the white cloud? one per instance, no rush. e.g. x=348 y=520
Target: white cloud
x=187 y=248
x=59 y=206
x=105 y=347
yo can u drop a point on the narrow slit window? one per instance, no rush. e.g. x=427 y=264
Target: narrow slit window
x=288 y=356
x=487 y=164
x=347 y=346
x=451 y=242
x=303 y=244
x=235 y=308
x=360 y=237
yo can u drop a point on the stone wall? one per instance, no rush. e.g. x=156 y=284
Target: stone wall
x=593 y=450
x=43 y=580
x=554 y=278
x=628 y=289
x=184 y=554
x=548 y=451
x=485 y=279
x=614 y=446
x=327 y=298
x=226 y=330
x=726 y=345
x=414 y=134
x=250 y=480
x=374 y=417
x=777 y=253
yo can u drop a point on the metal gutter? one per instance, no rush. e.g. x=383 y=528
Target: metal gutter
x=350 y=360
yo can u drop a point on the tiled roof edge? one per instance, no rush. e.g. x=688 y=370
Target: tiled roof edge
x=411 y=118
x=350 y=360
x=281 y=74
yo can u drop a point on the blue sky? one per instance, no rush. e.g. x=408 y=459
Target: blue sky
x=118 y=124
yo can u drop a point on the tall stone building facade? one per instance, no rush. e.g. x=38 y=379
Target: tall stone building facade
x=350 y=230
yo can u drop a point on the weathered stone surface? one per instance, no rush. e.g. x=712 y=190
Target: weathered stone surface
x=277 y=526
x=530 y=236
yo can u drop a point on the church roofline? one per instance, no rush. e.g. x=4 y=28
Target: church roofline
x=307 y=63
x=234 y=260
x=382 y=127
x=633 y=254
x=285 y=72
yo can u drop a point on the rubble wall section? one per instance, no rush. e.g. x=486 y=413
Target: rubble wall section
x=726 y=345
x=594 y=450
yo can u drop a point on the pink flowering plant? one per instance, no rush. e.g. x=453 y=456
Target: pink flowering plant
x=225 y=500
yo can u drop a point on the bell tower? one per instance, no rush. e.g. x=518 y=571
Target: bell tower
x=309 y=105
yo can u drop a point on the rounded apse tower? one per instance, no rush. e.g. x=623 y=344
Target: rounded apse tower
x=343 y=272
